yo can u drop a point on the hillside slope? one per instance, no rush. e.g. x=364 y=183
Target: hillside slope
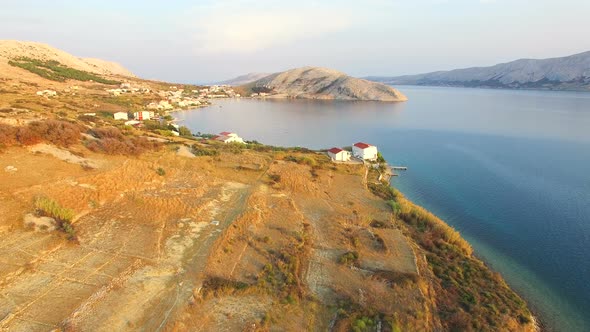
x=323 y=83
x=564 y=73
x=12 y=49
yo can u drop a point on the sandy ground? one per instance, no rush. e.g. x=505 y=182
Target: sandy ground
x=147 y=243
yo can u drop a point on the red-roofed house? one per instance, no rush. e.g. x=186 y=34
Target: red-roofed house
x=337 y=154
x=364 y=151
x=227 y=137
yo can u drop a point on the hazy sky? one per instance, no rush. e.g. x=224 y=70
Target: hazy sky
x=204 y=41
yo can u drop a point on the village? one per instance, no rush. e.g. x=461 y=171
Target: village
x=179 y=98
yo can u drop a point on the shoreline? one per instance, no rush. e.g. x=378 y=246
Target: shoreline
x=537 y=321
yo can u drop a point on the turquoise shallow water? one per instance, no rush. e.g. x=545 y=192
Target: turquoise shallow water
x=509 y=169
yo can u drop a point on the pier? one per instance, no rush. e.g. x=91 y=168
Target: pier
x=399 y=168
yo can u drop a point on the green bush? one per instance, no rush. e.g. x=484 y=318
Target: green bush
x=160 y=171
x=349 y=258
x=48 y=207
x=185 y=131
x=200 y=151
x=63 y=216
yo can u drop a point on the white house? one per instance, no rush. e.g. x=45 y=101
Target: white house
x=227 y=137
x=120 y=116
x=142 y=115
x=364 y=151
x=337 y=154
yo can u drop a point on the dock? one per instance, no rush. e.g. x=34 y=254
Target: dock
x=399 y=168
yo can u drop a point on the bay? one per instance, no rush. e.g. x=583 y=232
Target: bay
x=509 y=169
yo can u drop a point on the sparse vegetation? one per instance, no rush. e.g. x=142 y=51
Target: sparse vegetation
x=55 y=71
x=112 y=141
x=470 y=296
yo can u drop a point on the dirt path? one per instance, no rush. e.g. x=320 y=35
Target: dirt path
x=186 y=284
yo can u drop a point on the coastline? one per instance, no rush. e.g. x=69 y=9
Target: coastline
x=535 y=322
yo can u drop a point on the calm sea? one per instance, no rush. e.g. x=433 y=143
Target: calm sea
x=509 y=169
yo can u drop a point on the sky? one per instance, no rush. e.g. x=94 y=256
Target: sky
x=207 y=41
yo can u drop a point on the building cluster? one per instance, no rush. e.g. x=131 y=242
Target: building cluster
x=181 y=98
x=360 y=150
x=137 y=116
x=218 y=91
x=127 y=88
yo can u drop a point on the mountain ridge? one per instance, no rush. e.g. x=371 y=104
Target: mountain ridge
x=558 y=73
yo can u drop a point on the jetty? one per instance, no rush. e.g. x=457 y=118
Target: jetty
x=399 y=168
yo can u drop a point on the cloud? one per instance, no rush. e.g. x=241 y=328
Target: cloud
x=239 y=27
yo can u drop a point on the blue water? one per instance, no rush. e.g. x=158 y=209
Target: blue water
x=509 y=169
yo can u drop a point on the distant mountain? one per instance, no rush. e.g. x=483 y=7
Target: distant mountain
x=244 y=79
x=322 y=83
x=565 y=73
x=13 y=49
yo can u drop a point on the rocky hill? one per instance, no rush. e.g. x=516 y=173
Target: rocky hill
x=12 y=49
x=323 y=83
x=564 y=73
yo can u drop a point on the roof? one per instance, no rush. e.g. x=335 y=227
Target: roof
x=225 y=133
x=335 y=150
x=362 y=145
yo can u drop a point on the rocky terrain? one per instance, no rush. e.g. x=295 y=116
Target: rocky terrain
x=112 y=227
x=322 y=83
x=564 y=73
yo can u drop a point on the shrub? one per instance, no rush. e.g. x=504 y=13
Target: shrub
x=200 y=151
x=185 y=131
x=57 y=132
x=160 y=171
x=383 y=190
x=26 y=136
x=7 y=135
x=48 y=207
x=63 y=216
x=395 y=207
x=349 y=258
x=107 y=132
x=112 y=141
x=274 y=178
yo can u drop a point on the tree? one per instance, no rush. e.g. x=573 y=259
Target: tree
x=184 y=131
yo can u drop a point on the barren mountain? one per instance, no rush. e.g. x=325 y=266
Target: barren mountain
x=12 y=49
x=565 y=73
x=323 y=83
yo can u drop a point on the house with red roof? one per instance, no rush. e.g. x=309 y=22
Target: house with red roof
x=337 y=154
x=364 y=151
x=228 y=137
